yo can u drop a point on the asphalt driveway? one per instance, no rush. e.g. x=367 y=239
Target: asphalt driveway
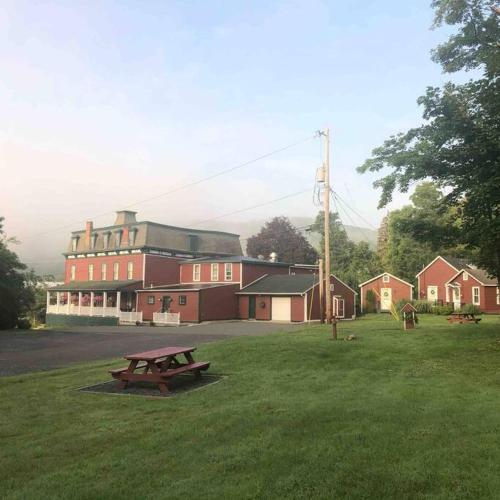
x=23 y=351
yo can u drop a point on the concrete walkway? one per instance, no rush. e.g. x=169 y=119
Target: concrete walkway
x=24 y=351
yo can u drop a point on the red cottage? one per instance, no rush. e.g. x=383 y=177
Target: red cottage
x=388 y=290
x=473 y=286
x=433 y=278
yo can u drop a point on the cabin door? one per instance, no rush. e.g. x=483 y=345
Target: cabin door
x=386 y=299
x=456 y=298
x=165 y=303
x=432 y=293
x=339 y=307
x=251 y=307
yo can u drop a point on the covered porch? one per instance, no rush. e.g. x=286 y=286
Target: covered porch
x=107 y=299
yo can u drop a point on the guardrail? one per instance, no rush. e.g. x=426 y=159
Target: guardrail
x=167 y=318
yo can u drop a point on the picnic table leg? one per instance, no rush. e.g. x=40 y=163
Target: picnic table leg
x=122 y=384
x=161 y=385
x=190 y=360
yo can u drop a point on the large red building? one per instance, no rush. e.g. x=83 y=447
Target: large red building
x=144 y=271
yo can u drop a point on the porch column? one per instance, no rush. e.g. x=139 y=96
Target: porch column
x=104 y=302
x=79 y=303
x=57 y=301
x=48 y=301
x=118 y=298
x=91 y=303
x=68 y=305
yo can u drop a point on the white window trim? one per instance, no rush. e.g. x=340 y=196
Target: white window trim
x=130 y=270
x=474 y=288
x=214 y=276
x=116 y=271
x=72 y=273
x=228 y=266
x=196 y=271
x=498 y=296
x=91 y=272
x=466 y=277
x=104 y=272
x=386 y=279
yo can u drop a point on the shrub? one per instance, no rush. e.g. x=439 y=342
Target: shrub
x=370 y=302
x=423 y=306
x=470 y=309
x=23 y=324
x=442 y=310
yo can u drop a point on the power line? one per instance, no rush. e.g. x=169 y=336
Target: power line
x=251 y=208
x=180 y=188
x=354 y=211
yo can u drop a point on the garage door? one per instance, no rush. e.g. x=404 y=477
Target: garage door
x=281 y=309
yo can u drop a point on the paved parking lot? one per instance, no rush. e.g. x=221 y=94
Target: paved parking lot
x=28 y=351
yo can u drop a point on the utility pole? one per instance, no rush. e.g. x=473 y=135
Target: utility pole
x=326 y=208
x=321 y=291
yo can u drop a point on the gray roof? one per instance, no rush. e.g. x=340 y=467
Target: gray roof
x=456 y=262
x=159 y=237
x=281 y=284
x=481 y=275
x=95 y=286
x=185 y=287
x=239 y=259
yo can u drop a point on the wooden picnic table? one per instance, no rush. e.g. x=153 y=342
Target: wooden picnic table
x=158 y=366
x=463 y=318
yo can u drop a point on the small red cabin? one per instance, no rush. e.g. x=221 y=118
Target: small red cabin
x=388 y=289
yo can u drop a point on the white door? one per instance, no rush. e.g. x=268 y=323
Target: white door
x=281 y=309
x=432 y=293
x=385 y=299
x=338 y=307
x=456 y=297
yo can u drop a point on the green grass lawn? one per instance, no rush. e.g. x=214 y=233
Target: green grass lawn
x=389 y=415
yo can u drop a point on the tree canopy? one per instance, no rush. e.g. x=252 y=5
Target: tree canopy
x=458 y=145
x=280 y=236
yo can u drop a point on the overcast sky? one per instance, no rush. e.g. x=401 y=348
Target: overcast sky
x=104 y=104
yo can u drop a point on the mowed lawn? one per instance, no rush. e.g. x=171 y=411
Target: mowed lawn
x=389 y=415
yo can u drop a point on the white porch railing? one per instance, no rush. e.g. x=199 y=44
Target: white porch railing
x=167 y=318
x=83 y=310
x=130 y=317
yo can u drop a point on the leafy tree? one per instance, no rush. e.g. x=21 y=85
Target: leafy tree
x=363 y=265
x=458 y=146
x=280 y=236
x=15 y=296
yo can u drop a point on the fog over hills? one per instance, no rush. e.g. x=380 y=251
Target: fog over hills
x=47 y=259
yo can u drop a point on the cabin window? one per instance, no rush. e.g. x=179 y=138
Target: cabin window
x=228 y=272
x=72 y=273
x=498 y=296
x=104 y=272
x=215 y=272
x=196 y=272
x=466 y=277
x=475 y=295
x=182 y=300
x=74 y=244
x=151 y=299
x=385 y=279
x=130 y=270
x=91 y=272
x=116 y=271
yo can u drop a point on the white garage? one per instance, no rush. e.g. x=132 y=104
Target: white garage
x=281 y=309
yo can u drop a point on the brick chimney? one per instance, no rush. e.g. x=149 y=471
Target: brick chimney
x=89 y=227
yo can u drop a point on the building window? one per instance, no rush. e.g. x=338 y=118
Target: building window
x=130 y=270
x=498 y=296
x=475 y=295
x=106 y=239
x=466 y=277
x=118 y=239
x=116 y=271
x=385 y=279
x=104 y=272
x=74 y=244
x=228 y=272
x=91 y=272
x=131 y=237
x=151 y=299
x=93 y=241
x=193 y=242
x=72 y=273
x=215 y=272
x=196 y=272
x=182 y=300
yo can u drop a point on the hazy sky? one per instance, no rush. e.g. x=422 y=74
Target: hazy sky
x=103 y=104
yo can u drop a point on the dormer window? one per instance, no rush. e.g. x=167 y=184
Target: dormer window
x=131 y=236
x=193 y=242
x=106 y=239
x=93 y=240
x=118 y=239
x=74 y=244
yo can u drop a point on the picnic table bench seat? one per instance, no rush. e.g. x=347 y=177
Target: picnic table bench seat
x=463 y=318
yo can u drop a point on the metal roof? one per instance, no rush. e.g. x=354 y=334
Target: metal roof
x=238 y=259
x=281 y=284
x=95 y=286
